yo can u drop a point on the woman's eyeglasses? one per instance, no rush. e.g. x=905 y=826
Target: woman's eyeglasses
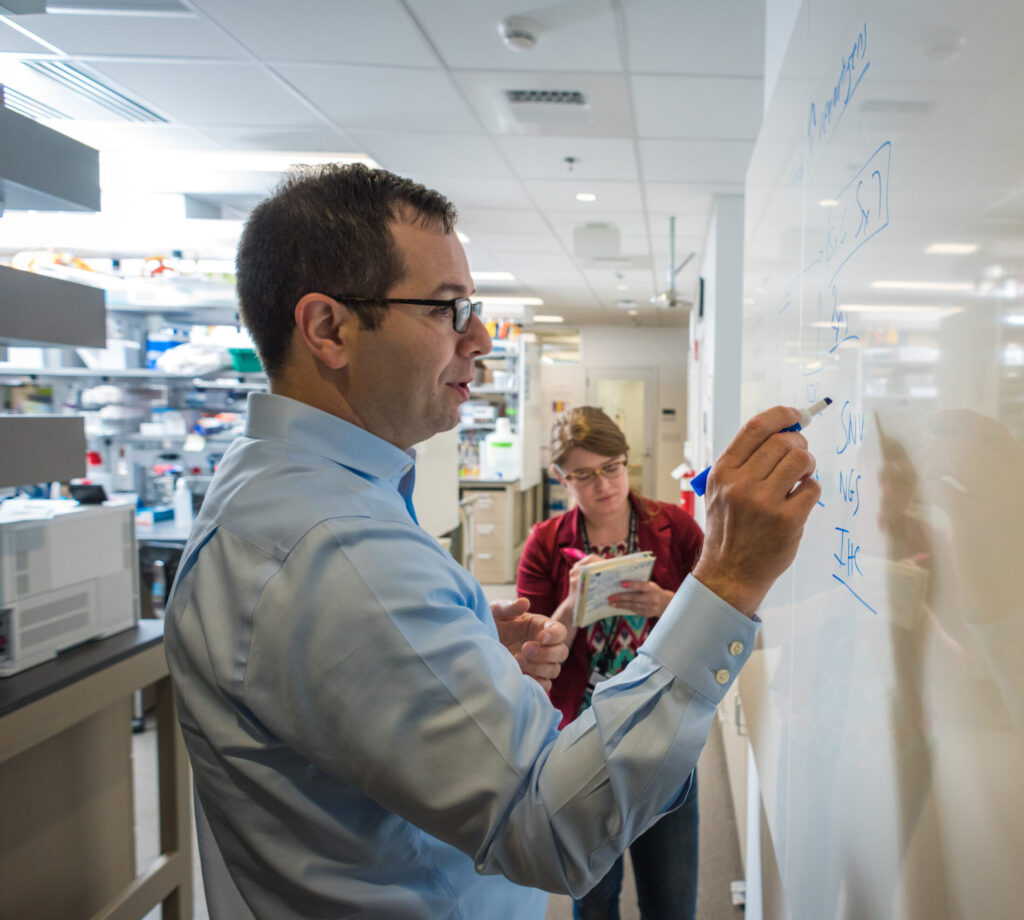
x=608 y=471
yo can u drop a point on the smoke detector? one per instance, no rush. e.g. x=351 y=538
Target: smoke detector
x=519 y=32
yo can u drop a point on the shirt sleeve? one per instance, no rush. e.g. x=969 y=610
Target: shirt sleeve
x=390 y=678
x=535 y=576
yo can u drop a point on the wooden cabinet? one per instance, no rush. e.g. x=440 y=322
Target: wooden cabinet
x=496 y=518
x=66 y=786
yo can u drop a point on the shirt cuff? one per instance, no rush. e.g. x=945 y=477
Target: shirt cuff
x=702 y=640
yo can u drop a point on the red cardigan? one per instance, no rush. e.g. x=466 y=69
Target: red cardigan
x=543 y=577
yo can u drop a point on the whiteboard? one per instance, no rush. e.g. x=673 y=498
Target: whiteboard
x=885 y=702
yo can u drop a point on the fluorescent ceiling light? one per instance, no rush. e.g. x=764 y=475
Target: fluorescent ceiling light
x=1014 y=319
x=215 y=266
x=512 y=301
x=828 y=202
x=493 y=276
x=548 y=318
x=168 y=10
x=962 y=286
x=208 y=171
x=634 y=312
x=586 y=196
x=897 y=308
x=951 y=249
x=623 y=287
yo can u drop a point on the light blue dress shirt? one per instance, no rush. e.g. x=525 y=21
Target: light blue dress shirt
x=363 y=745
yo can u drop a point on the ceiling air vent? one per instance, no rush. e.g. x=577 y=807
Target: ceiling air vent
x=552 y=110
x=29 y=107
x=97 y=93
x=546 y=96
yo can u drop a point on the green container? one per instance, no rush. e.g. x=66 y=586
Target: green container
x=245 y=360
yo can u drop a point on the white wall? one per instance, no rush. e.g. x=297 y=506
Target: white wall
x=664 y=349
x=559 y=384
x=718 y=336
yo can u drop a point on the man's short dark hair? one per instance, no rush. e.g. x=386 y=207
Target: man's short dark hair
x=325 y=229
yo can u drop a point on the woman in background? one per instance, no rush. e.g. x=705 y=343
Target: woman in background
x=589 y=455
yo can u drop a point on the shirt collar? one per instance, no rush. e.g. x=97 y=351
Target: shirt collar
x=273 y=416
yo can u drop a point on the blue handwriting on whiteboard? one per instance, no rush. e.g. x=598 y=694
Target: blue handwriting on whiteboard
x=849 y=488
x=854 y=593
x=851 y=72
x=839 y=322
x=847 y=565
x=846 y=558
x=861 y=212
x=853 y=427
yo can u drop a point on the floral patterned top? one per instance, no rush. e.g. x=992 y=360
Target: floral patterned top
x=612 y=643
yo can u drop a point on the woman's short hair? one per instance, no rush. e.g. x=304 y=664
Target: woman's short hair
x=589 y=428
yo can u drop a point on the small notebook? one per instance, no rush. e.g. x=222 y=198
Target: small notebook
x=600 y=580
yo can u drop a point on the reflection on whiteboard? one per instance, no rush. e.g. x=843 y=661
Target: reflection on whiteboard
x=884 y=267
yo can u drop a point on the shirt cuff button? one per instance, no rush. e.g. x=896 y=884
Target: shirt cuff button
x=722 y=676
x=735 y=648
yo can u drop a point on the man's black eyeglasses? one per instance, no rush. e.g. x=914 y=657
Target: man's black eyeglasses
x=463 y=309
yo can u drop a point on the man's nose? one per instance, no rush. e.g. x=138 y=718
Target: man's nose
x=475 y=340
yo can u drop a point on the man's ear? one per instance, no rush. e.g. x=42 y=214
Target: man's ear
x=324 y=326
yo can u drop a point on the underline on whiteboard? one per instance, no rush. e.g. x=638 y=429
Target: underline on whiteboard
x=849 y=96
x=855 y=594
x=812 y=373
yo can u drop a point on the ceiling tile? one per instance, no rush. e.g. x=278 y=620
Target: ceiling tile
x=572 y=35
x=500 y=243
x=299 y=140
x=11 y=40
x=560 y=194
x=716 y=108
x=523 y=264
x=695 y=161
x=473 y=155
x=125 y=136
x=683 y=198
x=594 y=158
x=340 y=31
x=494 y=220
x=210 y=94
x=627 y=222
x=469 y=192
x=185 y=36
x=383 y=98
x=696 y=37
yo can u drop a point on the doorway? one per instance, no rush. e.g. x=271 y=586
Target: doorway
x=629 y=396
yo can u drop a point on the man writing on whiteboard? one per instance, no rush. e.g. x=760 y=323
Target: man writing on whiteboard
x=363 y=744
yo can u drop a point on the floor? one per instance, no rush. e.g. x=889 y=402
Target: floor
x=719 y=847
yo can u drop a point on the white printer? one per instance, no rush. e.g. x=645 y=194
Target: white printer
x=68 y=573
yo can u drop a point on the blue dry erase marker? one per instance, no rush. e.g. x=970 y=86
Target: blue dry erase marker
x=700 y=482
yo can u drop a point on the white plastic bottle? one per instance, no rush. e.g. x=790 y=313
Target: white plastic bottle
x=500 y=455
x=182 y=503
